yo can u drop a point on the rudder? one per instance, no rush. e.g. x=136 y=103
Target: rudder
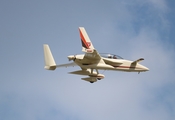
x=49 y=60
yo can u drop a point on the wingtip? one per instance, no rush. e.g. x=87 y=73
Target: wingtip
x=81 y=27
x=142 y=59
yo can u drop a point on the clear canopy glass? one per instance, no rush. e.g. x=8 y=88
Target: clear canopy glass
x=111 y=56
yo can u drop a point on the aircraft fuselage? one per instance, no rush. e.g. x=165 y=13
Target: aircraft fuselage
x=110 y=64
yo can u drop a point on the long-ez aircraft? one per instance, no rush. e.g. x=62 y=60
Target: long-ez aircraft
x=92 y=61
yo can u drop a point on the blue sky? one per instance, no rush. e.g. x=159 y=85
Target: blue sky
x=129 y=28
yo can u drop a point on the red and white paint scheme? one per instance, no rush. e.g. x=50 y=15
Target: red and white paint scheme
x=92 y=60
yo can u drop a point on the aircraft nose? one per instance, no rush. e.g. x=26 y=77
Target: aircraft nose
x=145 y=68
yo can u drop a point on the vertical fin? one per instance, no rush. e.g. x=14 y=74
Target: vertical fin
x=88 y=48
x=86 y=42
x=49 y=60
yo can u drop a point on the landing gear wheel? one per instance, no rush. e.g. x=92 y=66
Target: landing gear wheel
x=91 y=82
x=99 y=78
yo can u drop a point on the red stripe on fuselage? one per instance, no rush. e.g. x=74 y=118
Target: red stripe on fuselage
x=126 y=67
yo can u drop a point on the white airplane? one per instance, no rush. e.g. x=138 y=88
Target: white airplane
x=92 y=60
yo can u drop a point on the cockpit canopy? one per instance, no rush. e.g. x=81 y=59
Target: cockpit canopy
x=111 y=56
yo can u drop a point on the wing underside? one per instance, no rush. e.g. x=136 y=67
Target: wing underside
x=92 y=76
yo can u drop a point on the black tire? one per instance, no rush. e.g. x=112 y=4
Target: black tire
x=91 y=82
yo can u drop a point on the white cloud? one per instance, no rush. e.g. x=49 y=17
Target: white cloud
x=159 y=4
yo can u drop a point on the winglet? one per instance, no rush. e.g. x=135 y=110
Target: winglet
x=136 y=61
x=49 y=60
x=85 y=40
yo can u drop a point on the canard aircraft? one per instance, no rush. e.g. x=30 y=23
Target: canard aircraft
x=92 y=61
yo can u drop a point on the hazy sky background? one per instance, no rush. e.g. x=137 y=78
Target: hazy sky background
x=129 y=28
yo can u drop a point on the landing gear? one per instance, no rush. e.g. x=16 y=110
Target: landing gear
x=93 y=69
x=91 y=82
x=96 y=74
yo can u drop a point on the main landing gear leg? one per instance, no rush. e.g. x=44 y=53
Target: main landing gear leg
x=92 y=71
x=97 y=74
x=92 y=74
x=97 y=71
